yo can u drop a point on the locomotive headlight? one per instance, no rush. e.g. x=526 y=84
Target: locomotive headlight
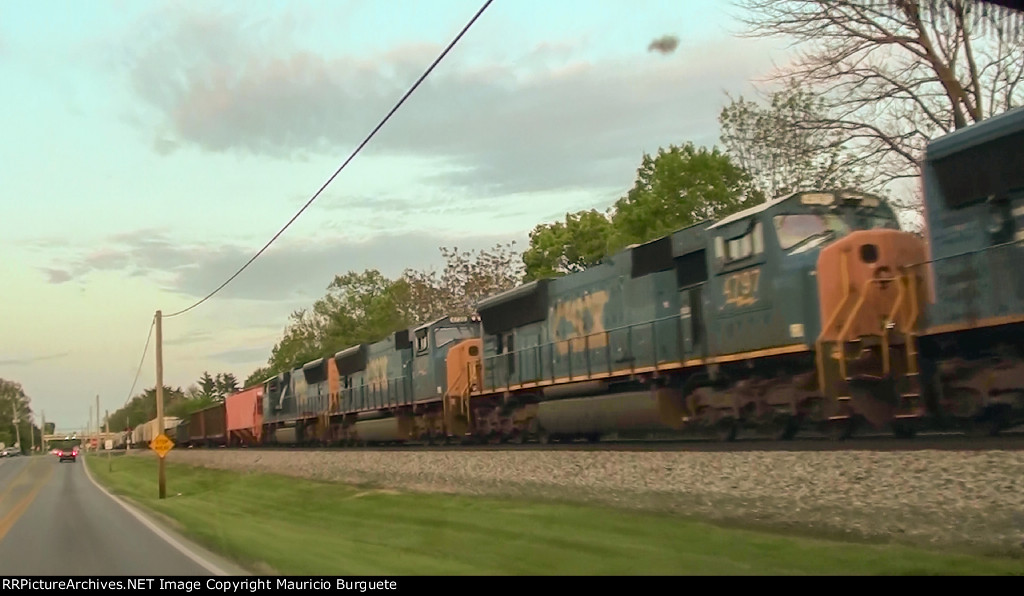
x=818 y=198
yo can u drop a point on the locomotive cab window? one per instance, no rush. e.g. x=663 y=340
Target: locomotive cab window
x=422 y=340
x=741 y=247
x=1002 y=216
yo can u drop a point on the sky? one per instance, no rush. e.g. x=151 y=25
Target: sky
x=150 y=148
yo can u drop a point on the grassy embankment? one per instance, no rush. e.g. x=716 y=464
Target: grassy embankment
x=277 y=524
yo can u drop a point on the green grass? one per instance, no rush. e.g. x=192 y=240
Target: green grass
x=277 y=524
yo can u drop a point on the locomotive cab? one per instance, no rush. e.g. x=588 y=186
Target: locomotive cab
x=764 y=290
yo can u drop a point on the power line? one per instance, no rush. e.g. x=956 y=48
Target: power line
x=350 y=157
x=141 y=361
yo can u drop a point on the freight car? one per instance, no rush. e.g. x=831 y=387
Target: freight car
x=146 y=432
x=244 y=411
x=208 y=427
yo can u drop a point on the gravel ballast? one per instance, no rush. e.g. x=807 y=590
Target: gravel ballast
x=971 y=499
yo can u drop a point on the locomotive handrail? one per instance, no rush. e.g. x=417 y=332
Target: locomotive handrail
x=845 y=280
x=842 y=338
x=896 y=306
x=570 y=352
x=964 y=254
x=464 y=408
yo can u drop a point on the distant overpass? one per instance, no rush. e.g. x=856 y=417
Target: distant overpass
x=87 y=438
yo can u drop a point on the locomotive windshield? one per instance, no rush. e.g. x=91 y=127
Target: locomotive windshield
x=800 y=232
x=803 y=231
x=444 y=335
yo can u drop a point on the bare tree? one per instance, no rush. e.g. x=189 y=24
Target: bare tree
x=896 y=73
x=783 y=155
x=468 y=277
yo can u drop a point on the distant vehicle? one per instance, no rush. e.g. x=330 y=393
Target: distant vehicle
x=70 y=454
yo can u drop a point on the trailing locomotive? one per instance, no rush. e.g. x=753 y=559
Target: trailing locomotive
x=972 y=344
x=809 y=311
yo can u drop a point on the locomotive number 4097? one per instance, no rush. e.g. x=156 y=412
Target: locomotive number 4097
x=740 y=289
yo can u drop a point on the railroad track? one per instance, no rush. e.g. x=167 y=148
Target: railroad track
x=1009 y=441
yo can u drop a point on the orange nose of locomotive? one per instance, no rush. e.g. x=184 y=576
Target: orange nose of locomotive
x=868 y=280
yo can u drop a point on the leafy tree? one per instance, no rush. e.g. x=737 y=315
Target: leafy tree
x=358 y=308
x=559 y=248
x=679 y=187
x=207 y=384
x=257 y=376
x=781 y=153
x=141 y=408
x=226 y=384
x=15 y=414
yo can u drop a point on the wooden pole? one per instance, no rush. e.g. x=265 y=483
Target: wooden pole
x=160 y=396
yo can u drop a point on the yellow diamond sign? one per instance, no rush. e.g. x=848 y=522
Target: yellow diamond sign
x=161 y=444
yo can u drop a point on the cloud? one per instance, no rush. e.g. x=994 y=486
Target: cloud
x=58 y=276
x=242 y=355
x=287 y=271
x=542 y=120
x=665 y=44
x=191 y=337
x=31 y=359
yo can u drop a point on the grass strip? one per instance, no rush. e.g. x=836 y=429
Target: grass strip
x=282 y=525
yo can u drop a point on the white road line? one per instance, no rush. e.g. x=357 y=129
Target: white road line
x=156 y=530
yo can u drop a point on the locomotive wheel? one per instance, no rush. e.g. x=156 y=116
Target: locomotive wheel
x=543 y=437
x=840 y=430
x=903 y=430
x=784 y=427
x=518 y=438
x=988 y=426
x=726 y=431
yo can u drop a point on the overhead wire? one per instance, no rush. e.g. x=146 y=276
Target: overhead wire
x=142 y=360
x=346 y=162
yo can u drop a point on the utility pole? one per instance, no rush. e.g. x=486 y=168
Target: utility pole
x=17 y=431
x=110 y=464
x=160 y=395
x=42 y=435
x=32 y=437
x=99 y=429
x=88 y=430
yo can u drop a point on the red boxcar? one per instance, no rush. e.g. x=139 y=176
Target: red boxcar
x=207 y=427
x=245 y=416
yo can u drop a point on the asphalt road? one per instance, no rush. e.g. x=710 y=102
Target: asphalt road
x=54 y=520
